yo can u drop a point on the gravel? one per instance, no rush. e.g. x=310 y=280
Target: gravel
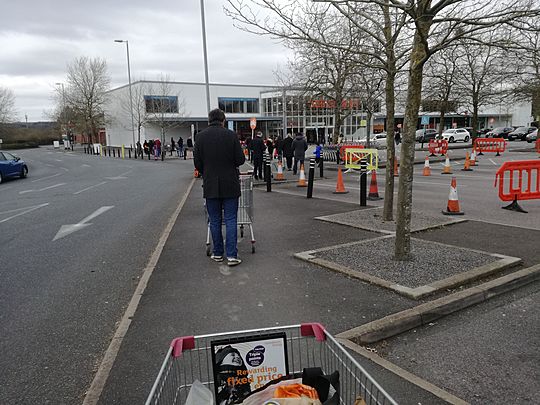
x=371 y=219
x=430 y=261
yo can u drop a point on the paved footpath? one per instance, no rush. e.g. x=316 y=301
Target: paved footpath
x=189 y=294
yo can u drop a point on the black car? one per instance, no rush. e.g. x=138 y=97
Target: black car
x=499 y=132
x=520 y=133
x=424 y=135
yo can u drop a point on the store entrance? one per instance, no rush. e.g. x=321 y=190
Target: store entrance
x=314 y=135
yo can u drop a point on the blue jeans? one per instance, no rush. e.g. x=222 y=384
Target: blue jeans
x=226 y=208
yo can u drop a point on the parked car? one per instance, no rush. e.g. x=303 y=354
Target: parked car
x=499 y=132
x=424 y=135
x=520 y=133
x=377 y=141
x=11 y=166
x=533 y=136
x=456 y=134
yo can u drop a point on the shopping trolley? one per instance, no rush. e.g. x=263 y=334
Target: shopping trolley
x=308 y=345
x=245 y=211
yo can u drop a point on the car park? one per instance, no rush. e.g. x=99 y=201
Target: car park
x=520 y=133
x=456 y=134
x=12 y=166
x=424 y=135
x=532 y=137
x=499 y=132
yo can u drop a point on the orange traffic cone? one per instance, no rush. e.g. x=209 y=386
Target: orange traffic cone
x=373 y=189
x=453 y=201
x=396 y=167
x=467 y=166
x=302 y=180
x=473 y=158
x=279 y=175
x=427 y=169
x=447 y=167
x=340 y=187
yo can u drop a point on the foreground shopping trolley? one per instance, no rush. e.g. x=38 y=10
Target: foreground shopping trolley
x=308 y=345
x=245 y=211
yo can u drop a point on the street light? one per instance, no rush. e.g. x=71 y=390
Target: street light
x=130 y=95
x=205 y=58
x=63 y=107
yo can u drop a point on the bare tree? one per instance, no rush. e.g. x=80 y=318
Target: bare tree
x=85 y=95
x=140 y=117
x=164 y=107
x=7 y=105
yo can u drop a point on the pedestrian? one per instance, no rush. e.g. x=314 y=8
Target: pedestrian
x=279 y=147
x=146 y=148
x=288 y=151
x=270 y=147
x=318 y=153
x=173 y=145
x=218 y=156
x=248 y=147
x=139 y=149
x=157 y=149
x=299 y=146
x=180 y=148
x=189 y=147
x=257 y=150
x=150 y=148
x=397 y=138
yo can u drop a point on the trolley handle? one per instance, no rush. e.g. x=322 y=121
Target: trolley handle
x=313 y=329
x=180 y=344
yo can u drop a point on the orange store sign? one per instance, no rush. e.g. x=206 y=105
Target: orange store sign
x=347 y=103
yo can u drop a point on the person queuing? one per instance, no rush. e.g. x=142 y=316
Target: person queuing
x=318 y=153
x=218 y=156
x=288 y=151
x=270 y=147
x=299 y=146
x=180 y=148
x=173 y=145
x=257 y=150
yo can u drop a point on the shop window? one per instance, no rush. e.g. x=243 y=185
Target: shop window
x=161 y=104
x=238 y=105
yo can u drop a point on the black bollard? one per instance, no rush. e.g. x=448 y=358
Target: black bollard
x=129 y=153
x=311 y=177
x=363 y=182
x=265 y=159
x=268 y=175
x=114 y=152
x=321 y=167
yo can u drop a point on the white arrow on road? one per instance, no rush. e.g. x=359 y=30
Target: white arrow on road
x=69 y=229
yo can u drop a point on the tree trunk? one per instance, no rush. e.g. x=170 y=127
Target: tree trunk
x=441 y=125
x=414 y=96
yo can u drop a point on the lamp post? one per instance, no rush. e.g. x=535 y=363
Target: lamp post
x=205 y=58
x=130 y=94
x=63 y=106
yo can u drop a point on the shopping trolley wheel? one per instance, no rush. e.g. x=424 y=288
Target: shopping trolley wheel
x=252 y=248
x=208 y=250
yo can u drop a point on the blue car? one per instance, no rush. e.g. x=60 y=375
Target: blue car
x=11 y=166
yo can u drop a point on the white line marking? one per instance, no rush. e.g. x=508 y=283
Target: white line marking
x=63 y=168
x=58 y=160
x=491 y=160
x=48 y=177
x=85 y=165
x=54 y=186
x=94 y=392
x=69 y=229
x=26 y=210
x=88 y=188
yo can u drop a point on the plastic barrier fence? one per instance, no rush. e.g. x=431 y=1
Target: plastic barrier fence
x=438 y=146
x=346 y=146
x=489 y=145
x=353 y=157
x=538 y=145
x=518 y=180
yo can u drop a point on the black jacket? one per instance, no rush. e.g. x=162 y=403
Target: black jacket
x=257 y=147
x=287 y=147
x=217 y=156
x=299 y=146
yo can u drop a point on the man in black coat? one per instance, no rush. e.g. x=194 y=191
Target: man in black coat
x=257 y=150
x=217 y=157
x=288 y=151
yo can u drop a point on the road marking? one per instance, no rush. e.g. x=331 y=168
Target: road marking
x=491 y=160
x=69 y=229
x=63 y=168
x=88 y=188
x=25 y=211
x=116 y=178
x=42 y=189
x=99 y=381
x=85 y=165
x=48 y=177
x=58 y=160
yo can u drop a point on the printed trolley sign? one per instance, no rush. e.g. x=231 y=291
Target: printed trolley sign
x=242 y=365
x=253 y=123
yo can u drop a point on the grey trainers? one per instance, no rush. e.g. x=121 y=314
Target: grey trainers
x=216 y=258
x=233 y=261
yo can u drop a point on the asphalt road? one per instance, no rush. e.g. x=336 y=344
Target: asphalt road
x=60 y=299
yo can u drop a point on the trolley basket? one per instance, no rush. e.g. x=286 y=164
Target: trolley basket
x=308 y=345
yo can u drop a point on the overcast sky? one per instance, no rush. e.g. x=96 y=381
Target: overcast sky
x=39 y=37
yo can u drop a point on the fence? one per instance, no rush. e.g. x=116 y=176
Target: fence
x=353 y=157
x=489 y=145
x=523 y=182
x=437 y=147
